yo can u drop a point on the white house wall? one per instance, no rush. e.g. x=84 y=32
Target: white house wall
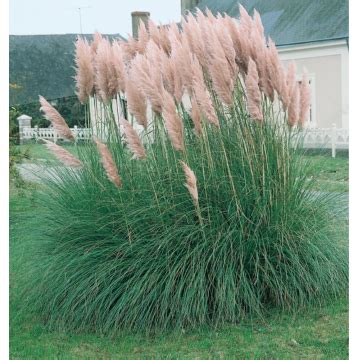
x=327 y=65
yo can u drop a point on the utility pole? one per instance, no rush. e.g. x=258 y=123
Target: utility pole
x=80 y=18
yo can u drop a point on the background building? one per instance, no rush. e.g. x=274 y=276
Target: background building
x=315 y=34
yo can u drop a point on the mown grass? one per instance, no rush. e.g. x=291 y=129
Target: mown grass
x=332 y=173
x=316 y=334
x=38 y=153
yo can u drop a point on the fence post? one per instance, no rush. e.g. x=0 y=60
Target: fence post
x=333 y=141
x=76 y=133
x=24 y=124
x=55 y=136
x=36 y=131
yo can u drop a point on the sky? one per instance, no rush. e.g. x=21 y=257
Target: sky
x=106 y=16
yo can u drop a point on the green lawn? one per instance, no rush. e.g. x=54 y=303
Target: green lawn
x=315 y=334
x=39 y=152
x=333 y=174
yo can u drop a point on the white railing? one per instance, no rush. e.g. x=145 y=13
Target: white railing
x=318 y=138
x=37 y=134
x=326 y=138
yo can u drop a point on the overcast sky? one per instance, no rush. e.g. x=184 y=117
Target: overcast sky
x=105 y=16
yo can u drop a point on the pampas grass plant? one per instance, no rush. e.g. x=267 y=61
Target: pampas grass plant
x=208 y=215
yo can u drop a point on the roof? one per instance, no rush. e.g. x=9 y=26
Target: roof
x=42 y=64
x=292 y=21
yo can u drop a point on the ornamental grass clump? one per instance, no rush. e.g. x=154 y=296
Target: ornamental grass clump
x=197 y=209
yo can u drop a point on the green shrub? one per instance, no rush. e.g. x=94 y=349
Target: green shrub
x=138 y=257
x=146 y=255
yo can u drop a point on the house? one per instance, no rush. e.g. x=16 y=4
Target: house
x=314 y=34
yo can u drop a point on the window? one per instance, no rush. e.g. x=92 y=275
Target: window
x=311 y=122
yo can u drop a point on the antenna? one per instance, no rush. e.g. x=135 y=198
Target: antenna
x=80 y=18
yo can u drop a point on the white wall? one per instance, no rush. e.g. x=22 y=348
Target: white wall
x=328 y=66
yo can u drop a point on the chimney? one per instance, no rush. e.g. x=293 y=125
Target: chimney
x=188 y=5
x=138 y=16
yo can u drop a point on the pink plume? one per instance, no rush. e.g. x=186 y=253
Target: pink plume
x=56 y=119
x=202 y=94
x=136 y=101
x=294 y=107
x=220 y=71
x=108 y=163
x=227 y=45
x=275 y=68
x=133 y=140
x=97 y=37
x=84 y=70
x=63 y=155
x=194 y=35
x=288 y=85
x=143 y=38
x=173 y=122
x=106 y=83
x=253 y=91
x=147 y=77
x=241 y=43
x=190 y=183
x=196 y=116
x=305 y=99
x=119 y=70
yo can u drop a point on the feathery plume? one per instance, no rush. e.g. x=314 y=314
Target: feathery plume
x=210 y=16
x=97 y=37
x=220 y=71
x=154 y=33
x=174 y=31
x=63 y=155
x=275 y=68
x=106 y=82
x=191 y=183
x=196 y=116
x=258 y=23
x=178 y=81
x=227 y=44
x=147 y=75
x=84 y=70
x=245 y=21
x=294 y=107
x=173 y=122
x=133 y=140
x=56 y=119
x=168 y=72
x=205 y=36
x=136 y=102
x=181 y=53
x=192 y=32
x=253 y=91
x=118 y=67
x=202 y=94
x=241 y=43
x=143 y=38
x=108 y=163
x=259 y=54
x=164 y=39
x=289 y=85
x=129 y=47
x=305 y=96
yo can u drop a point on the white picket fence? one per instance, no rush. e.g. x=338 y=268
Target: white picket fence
x=325 y=138
x=37 y=134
